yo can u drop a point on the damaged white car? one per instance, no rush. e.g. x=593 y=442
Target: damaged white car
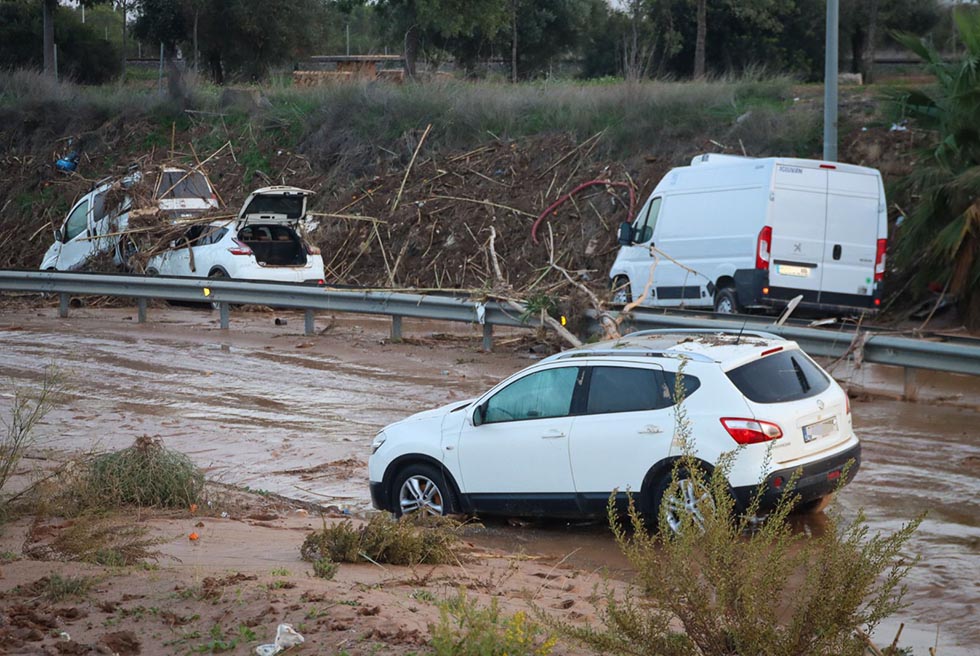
x=262 y=243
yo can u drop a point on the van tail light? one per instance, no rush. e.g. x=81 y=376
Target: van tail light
x=751 y=431
x=312 y=250
x=762 y=248
x=880 y=260
x=240 y=248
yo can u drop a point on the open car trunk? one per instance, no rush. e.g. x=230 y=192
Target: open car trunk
x=274 y=245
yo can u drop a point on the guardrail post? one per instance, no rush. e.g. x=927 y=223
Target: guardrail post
x=224 y=314
x=309 y=322
x=396 y=328
x=63 y=299
x=911 y=387
x=488 y=337
x=141 y=310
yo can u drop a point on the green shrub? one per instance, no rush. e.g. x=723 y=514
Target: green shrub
x=144 y=474
x=465 y=629
x=383 y=539
x=725 y=584
x=324 y=568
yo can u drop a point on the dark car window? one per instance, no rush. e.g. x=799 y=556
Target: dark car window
x=291 y=206
x=689 y=385
x=778 y=378
x=98 y=207
x=194 y=185
x=77 y=222
x=543 y=394
x=630 y=389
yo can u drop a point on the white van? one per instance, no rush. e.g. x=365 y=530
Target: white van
x=738 y=233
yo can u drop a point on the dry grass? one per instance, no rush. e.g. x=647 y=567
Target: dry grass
x=109 y=540
x=383 y=539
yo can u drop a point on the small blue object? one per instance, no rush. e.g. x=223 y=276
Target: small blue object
x=68 y=164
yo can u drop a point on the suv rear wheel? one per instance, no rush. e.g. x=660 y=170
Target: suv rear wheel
x=691 y=497
x=421 y=488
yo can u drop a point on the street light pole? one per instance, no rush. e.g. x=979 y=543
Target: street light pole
x=830 y=84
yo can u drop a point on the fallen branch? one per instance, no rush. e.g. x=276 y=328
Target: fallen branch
x=418 y=147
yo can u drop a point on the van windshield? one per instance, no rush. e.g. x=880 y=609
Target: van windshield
x=173 y=184
x=779 y=378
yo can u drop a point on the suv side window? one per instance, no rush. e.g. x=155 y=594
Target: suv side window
x=626 y=389
x=632 y=389
x=77 y=221
x=644 y=228
x=539 y=395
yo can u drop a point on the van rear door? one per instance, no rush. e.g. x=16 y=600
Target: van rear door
x=798 y=219
x=853 y=207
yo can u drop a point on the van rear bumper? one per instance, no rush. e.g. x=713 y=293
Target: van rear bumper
x=752 y=287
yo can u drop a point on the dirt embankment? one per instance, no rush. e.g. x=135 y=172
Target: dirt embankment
x=431 y=228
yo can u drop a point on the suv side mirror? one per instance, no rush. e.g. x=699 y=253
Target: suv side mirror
x=625 y=233
x=57 y=235
x=480 y=414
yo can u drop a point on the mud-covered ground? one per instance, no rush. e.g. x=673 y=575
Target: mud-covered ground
x=264 y=406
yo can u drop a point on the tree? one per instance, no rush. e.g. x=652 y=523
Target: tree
x=702 y=33
x=48 y=9
x=940 y=239
x=421 y=20
x=863 y=23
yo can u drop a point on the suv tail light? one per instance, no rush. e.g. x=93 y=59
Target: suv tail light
x=880 y=260
x=240 y=248
x=312 y=250
x=751 y=431
x=762 y=248
x=847 y=403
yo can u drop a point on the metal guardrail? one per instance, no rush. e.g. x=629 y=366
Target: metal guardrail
x=876 y=348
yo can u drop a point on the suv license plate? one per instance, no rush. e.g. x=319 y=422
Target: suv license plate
x=790 y=270
x=820 y=429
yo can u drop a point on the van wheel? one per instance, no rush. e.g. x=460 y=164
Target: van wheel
x=726 y=301
x=621 y=292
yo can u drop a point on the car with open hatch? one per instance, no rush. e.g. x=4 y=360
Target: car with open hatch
x=557 y=438
x=263 y=242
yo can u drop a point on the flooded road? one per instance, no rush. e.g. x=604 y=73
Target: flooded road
x=264 y=406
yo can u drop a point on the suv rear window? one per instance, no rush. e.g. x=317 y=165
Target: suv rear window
x=193 y=186
x=779 y=378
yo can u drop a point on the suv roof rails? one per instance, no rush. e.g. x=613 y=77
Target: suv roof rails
x=705 y=331
x=619 y=352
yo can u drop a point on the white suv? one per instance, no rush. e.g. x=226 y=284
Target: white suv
x=261 y=243
x=558 y=437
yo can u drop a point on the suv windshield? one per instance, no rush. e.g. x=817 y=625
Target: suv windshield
x=778 y=378
x=195 y=185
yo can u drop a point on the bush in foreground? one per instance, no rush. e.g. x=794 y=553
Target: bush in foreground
x=383 y=539
x=465 y=629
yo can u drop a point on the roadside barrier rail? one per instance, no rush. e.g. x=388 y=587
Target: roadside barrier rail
x=912 y=354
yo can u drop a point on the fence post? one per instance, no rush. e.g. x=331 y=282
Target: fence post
x=396 y=328
x=911 y=384
x=487 y=337
x=141 y=310
x=224 y=312
x=309 y=322
x=63 y=299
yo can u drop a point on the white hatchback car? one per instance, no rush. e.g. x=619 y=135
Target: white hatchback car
x=262 y=243
x=91 y=228
x=558 y=437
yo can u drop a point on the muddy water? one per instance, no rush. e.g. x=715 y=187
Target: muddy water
x=266 y=407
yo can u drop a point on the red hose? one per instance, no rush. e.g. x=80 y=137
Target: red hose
x=584 y=185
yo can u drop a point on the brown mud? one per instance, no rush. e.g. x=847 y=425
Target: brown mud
x=266 y=407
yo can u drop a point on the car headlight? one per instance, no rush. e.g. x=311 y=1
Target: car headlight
x=379 y=439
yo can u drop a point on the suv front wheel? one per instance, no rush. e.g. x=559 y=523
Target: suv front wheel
x=421 y=488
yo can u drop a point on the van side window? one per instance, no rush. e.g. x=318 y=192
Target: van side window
x=98 y=207
x=644 y=230
x=77 y=222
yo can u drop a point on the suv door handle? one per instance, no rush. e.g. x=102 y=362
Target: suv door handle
x=552 y=435
x=650 y=430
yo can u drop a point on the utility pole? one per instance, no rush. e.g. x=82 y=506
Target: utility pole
x=830 y=84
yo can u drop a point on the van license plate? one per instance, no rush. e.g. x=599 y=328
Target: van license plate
x=820 y=429
x=790 y=270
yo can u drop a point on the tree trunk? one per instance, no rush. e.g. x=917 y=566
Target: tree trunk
x=857 y=49
x=513 y=42
x=868 y=58
x=123 y=4
x=411 y=50
x=702 y=35
x=47 y=10
x=197 y=13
